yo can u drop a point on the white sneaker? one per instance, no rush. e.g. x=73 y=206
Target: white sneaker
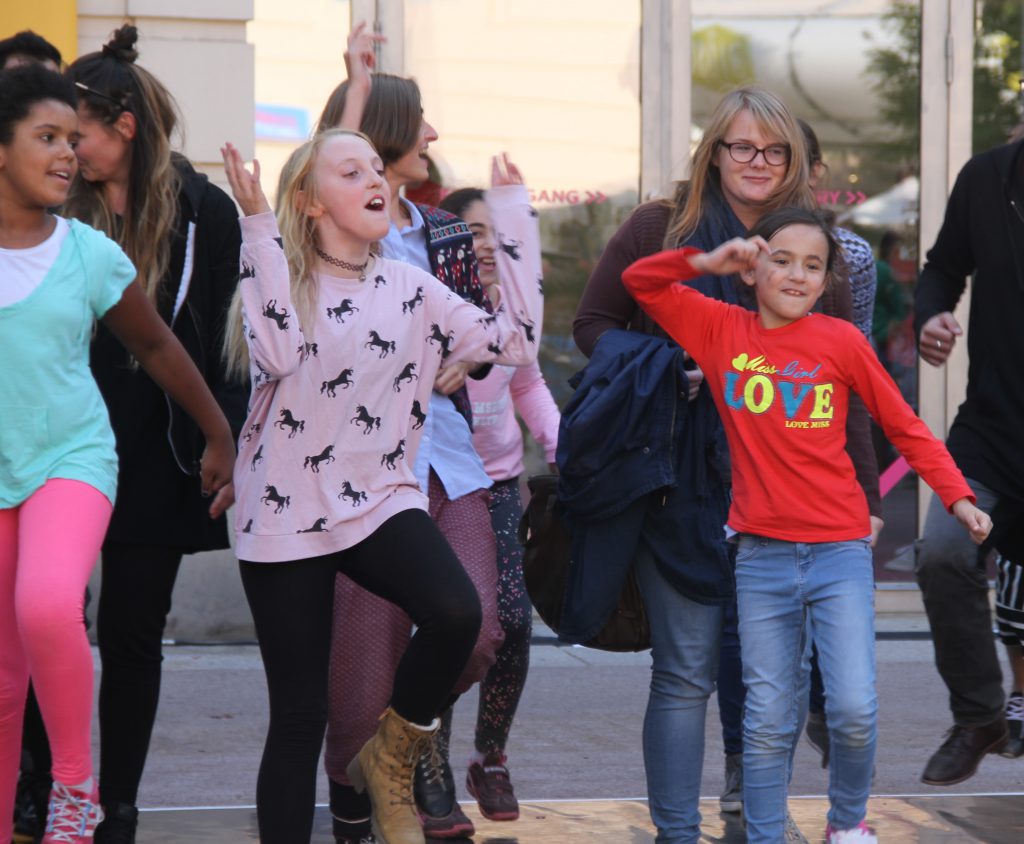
x=860 y=834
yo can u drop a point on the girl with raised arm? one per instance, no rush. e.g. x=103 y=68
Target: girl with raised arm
x=343 y=347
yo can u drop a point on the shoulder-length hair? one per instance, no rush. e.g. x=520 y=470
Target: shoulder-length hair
x=776 y=121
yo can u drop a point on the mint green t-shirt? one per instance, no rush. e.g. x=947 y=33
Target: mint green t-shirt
x=53 y=422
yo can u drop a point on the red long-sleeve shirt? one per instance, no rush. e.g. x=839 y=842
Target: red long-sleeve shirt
x=783 y=396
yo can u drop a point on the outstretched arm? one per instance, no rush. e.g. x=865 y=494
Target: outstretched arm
x=360 y=61
x=135 y=322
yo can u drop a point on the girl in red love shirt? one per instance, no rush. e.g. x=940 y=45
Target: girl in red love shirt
x=781 y=379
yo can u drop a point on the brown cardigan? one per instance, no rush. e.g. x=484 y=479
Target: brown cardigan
x=605 y=304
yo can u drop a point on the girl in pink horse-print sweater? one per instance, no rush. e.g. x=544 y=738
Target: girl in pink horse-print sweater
x=340 y=365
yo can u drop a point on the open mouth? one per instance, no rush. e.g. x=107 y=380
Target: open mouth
x=376 y=204
x=64 y=175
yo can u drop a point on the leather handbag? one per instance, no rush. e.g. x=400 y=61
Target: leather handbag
x=546 y=540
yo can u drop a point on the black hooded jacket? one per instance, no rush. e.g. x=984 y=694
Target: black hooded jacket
x=158 y=497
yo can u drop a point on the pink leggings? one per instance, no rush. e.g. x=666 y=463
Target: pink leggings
x=48 y=547
x=369 y=634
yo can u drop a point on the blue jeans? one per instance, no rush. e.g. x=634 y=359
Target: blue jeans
x=684 y=651
x=782 y=588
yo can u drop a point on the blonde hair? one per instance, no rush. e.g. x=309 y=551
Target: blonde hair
x=775 y=120
x=115 y=85
x=296 y=190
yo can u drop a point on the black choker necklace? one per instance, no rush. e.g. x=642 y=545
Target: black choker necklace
x=345 y=265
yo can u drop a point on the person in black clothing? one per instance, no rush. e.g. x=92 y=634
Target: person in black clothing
x=182 y=233
x=982 y=235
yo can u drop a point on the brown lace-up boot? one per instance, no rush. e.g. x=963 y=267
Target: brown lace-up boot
x=384 y=768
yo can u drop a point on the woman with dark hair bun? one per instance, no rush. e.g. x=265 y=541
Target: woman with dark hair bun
x=183 y=235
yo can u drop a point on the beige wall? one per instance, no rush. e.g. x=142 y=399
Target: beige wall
x=199 y=50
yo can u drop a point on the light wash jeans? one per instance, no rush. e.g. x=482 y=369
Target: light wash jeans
x=782 y=587
x=685 y=639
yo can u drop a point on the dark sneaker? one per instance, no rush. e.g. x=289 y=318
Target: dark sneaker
x=1015 y=723
x=491 y=785
x=792 y=833
x=120 y=820
x=816 y=731
x=352 y=832
x=960 y=754
x=731 y=799
x=434 y=790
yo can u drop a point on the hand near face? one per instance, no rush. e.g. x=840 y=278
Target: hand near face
x=733 y=256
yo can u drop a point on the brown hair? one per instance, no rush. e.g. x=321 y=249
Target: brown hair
x=775 y=120
x=109 y=84
x=391 y=118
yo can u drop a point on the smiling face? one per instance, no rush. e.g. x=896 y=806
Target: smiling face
x=478 y=218
x=413 y=167
x=351 y=206
x=37 y=166
x=792 y=276
x=749 y=187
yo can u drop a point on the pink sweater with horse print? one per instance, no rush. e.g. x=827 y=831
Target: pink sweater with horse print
x=327 y=452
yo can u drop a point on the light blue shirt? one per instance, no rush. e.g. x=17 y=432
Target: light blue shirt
x=447 y=443
x=53 y=421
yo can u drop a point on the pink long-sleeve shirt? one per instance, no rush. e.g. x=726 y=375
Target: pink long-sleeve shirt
x=326 y=455
x=497 y=438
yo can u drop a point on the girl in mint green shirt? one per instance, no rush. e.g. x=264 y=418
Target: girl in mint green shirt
x=58 y=467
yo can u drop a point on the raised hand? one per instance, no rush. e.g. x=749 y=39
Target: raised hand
x=938 y=336
x=733 y=256
x=245 y=186
x=361 y=54
x=504 y=172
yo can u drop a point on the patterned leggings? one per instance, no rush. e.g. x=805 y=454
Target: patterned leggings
x=503 y=686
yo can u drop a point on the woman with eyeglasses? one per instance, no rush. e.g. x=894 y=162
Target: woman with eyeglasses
x=183 y=235
x=751 y=160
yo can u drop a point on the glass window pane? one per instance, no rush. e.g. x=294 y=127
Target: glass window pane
x=556 y=85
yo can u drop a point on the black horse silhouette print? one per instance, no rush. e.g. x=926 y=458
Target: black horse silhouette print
x=254 y=429
x=528 y=328
x=540 y=284
x=279 y=241
x=344 y=309
x=247 y=272
x=390 y=457
x=364 y=418
x=408 y=373
x=261 y=377
x=490 y=319
x=418 y=415
x=256 y=458
x=272 y=496
x=248 y=527
x=511 y=248
x=308 y=349
x=444 y=341
x=294 y=425
x=378 y=281
x=356 y=496
x=319 y=526
x=344 y=380
x=377 y=342
x=313 y=461
x=279 y=316
x=494 y=348
x=409 y=305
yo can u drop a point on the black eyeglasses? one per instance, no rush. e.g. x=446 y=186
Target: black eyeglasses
x=742 y=153
x=100 y=94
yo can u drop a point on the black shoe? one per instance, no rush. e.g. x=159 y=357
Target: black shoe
x=31 y=801
x=120 y=820
x=352 y=832
x=962 y=751
x=731 y=799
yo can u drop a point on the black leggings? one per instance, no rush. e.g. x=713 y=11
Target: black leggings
x=406 y=561
x=135 y=598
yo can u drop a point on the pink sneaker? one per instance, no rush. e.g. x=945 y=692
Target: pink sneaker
x=72 y=816
x=860 y=834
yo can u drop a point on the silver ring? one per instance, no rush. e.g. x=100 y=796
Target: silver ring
x=938 y=344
